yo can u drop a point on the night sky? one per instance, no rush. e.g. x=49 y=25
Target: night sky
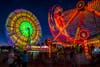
x=38 y=7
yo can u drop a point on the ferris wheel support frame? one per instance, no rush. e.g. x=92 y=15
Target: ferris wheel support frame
x=66 y=25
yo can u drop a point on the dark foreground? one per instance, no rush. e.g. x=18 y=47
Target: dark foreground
x=51 y=65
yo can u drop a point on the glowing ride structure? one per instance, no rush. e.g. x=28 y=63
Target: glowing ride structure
x=77 y=25
x=23 y=29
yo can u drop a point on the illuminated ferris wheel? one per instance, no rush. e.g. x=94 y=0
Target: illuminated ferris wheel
x=23 y=28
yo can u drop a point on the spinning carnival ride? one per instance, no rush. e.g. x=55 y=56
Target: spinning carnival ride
x=76 y=26
x=23 y=29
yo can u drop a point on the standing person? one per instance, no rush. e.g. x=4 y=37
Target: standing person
x=73 y=57
x=11 y=59
x=24 y=59
x=18 y=60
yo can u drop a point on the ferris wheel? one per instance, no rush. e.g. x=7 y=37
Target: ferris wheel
x=23 y=28
x=75 y=25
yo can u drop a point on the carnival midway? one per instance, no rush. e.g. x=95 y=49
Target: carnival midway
x=75 y=40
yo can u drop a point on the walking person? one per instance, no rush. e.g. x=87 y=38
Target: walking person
x=11 y=59
x=73 y=57
x=25 y=59
x=18 y=60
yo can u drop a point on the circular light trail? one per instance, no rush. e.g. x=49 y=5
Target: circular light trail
x=23 y=28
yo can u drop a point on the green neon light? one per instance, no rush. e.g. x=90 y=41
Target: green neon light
x=26 y=28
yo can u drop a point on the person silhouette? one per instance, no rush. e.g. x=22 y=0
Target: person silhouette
x=24 y=59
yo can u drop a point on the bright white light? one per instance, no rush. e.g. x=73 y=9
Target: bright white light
x=96 y=50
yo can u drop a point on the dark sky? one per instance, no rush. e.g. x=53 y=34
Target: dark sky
x=38 y=7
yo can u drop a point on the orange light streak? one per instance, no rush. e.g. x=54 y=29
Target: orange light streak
x=80 y=23
x=73 y=16
x=97 y=13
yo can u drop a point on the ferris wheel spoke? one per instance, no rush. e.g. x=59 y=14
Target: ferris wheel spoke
x=97 y=13
x=14 y=33
x=67 y=24
x=17 y=39
x=11 y=26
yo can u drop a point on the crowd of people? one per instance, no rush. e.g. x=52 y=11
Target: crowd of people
x=17 y=59
x=62 y=55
